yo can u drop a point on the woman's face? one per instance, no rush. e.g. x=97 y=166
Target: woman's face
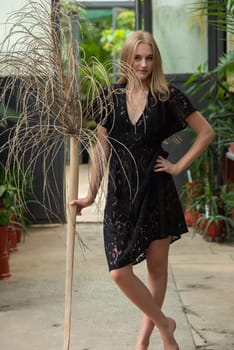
x=143 y=61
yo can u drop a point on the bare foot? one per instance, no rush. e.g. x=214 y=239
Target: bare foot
x=170 y=342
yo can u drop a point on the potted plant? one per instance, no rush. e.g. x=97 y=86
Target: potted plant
x=227 y=200
x=14 y=194
x=213 y=219
x=217 y=90
x=227 y=209
x=7 y=200
x=189 y=192
x=4 y=256
x=216 y=227
x=5 y=214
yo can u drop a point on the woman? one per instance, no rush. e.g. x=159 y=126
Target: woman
x=143 y=214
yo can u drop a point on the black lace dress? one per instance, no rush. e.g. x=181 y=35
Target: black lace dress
x=141 y=205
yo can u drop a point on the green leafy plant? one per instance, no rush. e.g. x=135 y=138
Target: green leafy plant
x=227 y=202
x=220 y=12
x=113 y=39
x=7 y=190
x=6 y=203
x=218 y=95
x=87 y=29
x=217 y=86
x=216 y=89
x=14 y=194
x=212 y=209
x=5 y=215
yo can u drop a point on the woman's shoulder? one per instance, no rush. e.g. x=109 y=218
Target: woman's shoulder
x=174 y=89
x=179 y=100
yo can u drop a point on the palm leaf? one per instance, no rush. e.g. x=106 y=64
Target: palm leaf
x=220 y=13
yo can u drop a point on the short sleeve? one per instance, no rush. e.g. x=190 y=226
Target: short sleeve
x=180 y=108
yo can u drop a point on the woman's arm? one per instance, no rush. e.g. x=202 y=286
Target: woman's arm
x=205 y=135
x=100 y=157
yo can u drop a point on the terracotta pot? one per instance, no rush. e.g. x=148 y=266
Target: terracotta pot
x=215 y=230
x=12 y=239
x=18 y=230
x=4 y=265
x=4 y=238
x=190 y=216
x=4 y=256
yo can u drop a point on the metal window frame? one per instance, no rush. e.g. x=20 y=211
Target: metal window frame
x=106 y=4
x=143 y=9
x=217 y=43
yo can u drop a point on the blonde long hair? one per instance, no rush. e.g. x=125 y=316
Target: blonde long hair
x=158 y=84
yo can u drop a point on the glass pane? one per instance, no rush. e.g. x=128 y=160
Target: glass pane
x=180 y=34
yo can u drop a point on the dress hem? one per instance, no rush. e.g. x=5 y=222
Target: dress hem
x=142 y=257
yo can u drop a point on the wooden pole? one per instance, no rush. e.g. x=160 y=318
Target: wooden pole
x=73 y=181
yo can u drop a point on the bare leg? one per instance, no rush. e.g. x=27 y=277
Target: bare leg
x=139 y=294
x=157 y=265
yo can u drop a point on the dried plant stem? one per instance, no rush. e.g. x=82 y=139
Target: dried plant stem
x=57 y=93
x=71 y=228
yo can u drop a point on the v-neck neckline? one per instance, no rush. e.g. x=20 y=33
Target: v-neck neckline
x=137 y=121
x=142 y=113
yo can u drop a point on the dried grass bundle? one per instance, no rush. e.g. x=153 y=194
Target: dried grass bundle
x=53 y=89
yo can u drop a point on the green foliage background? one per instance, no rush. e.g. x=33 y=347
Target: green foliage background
x=97 y=36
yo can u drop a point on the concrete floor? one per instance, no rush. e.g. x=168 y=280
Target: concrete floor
x=200 y=294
